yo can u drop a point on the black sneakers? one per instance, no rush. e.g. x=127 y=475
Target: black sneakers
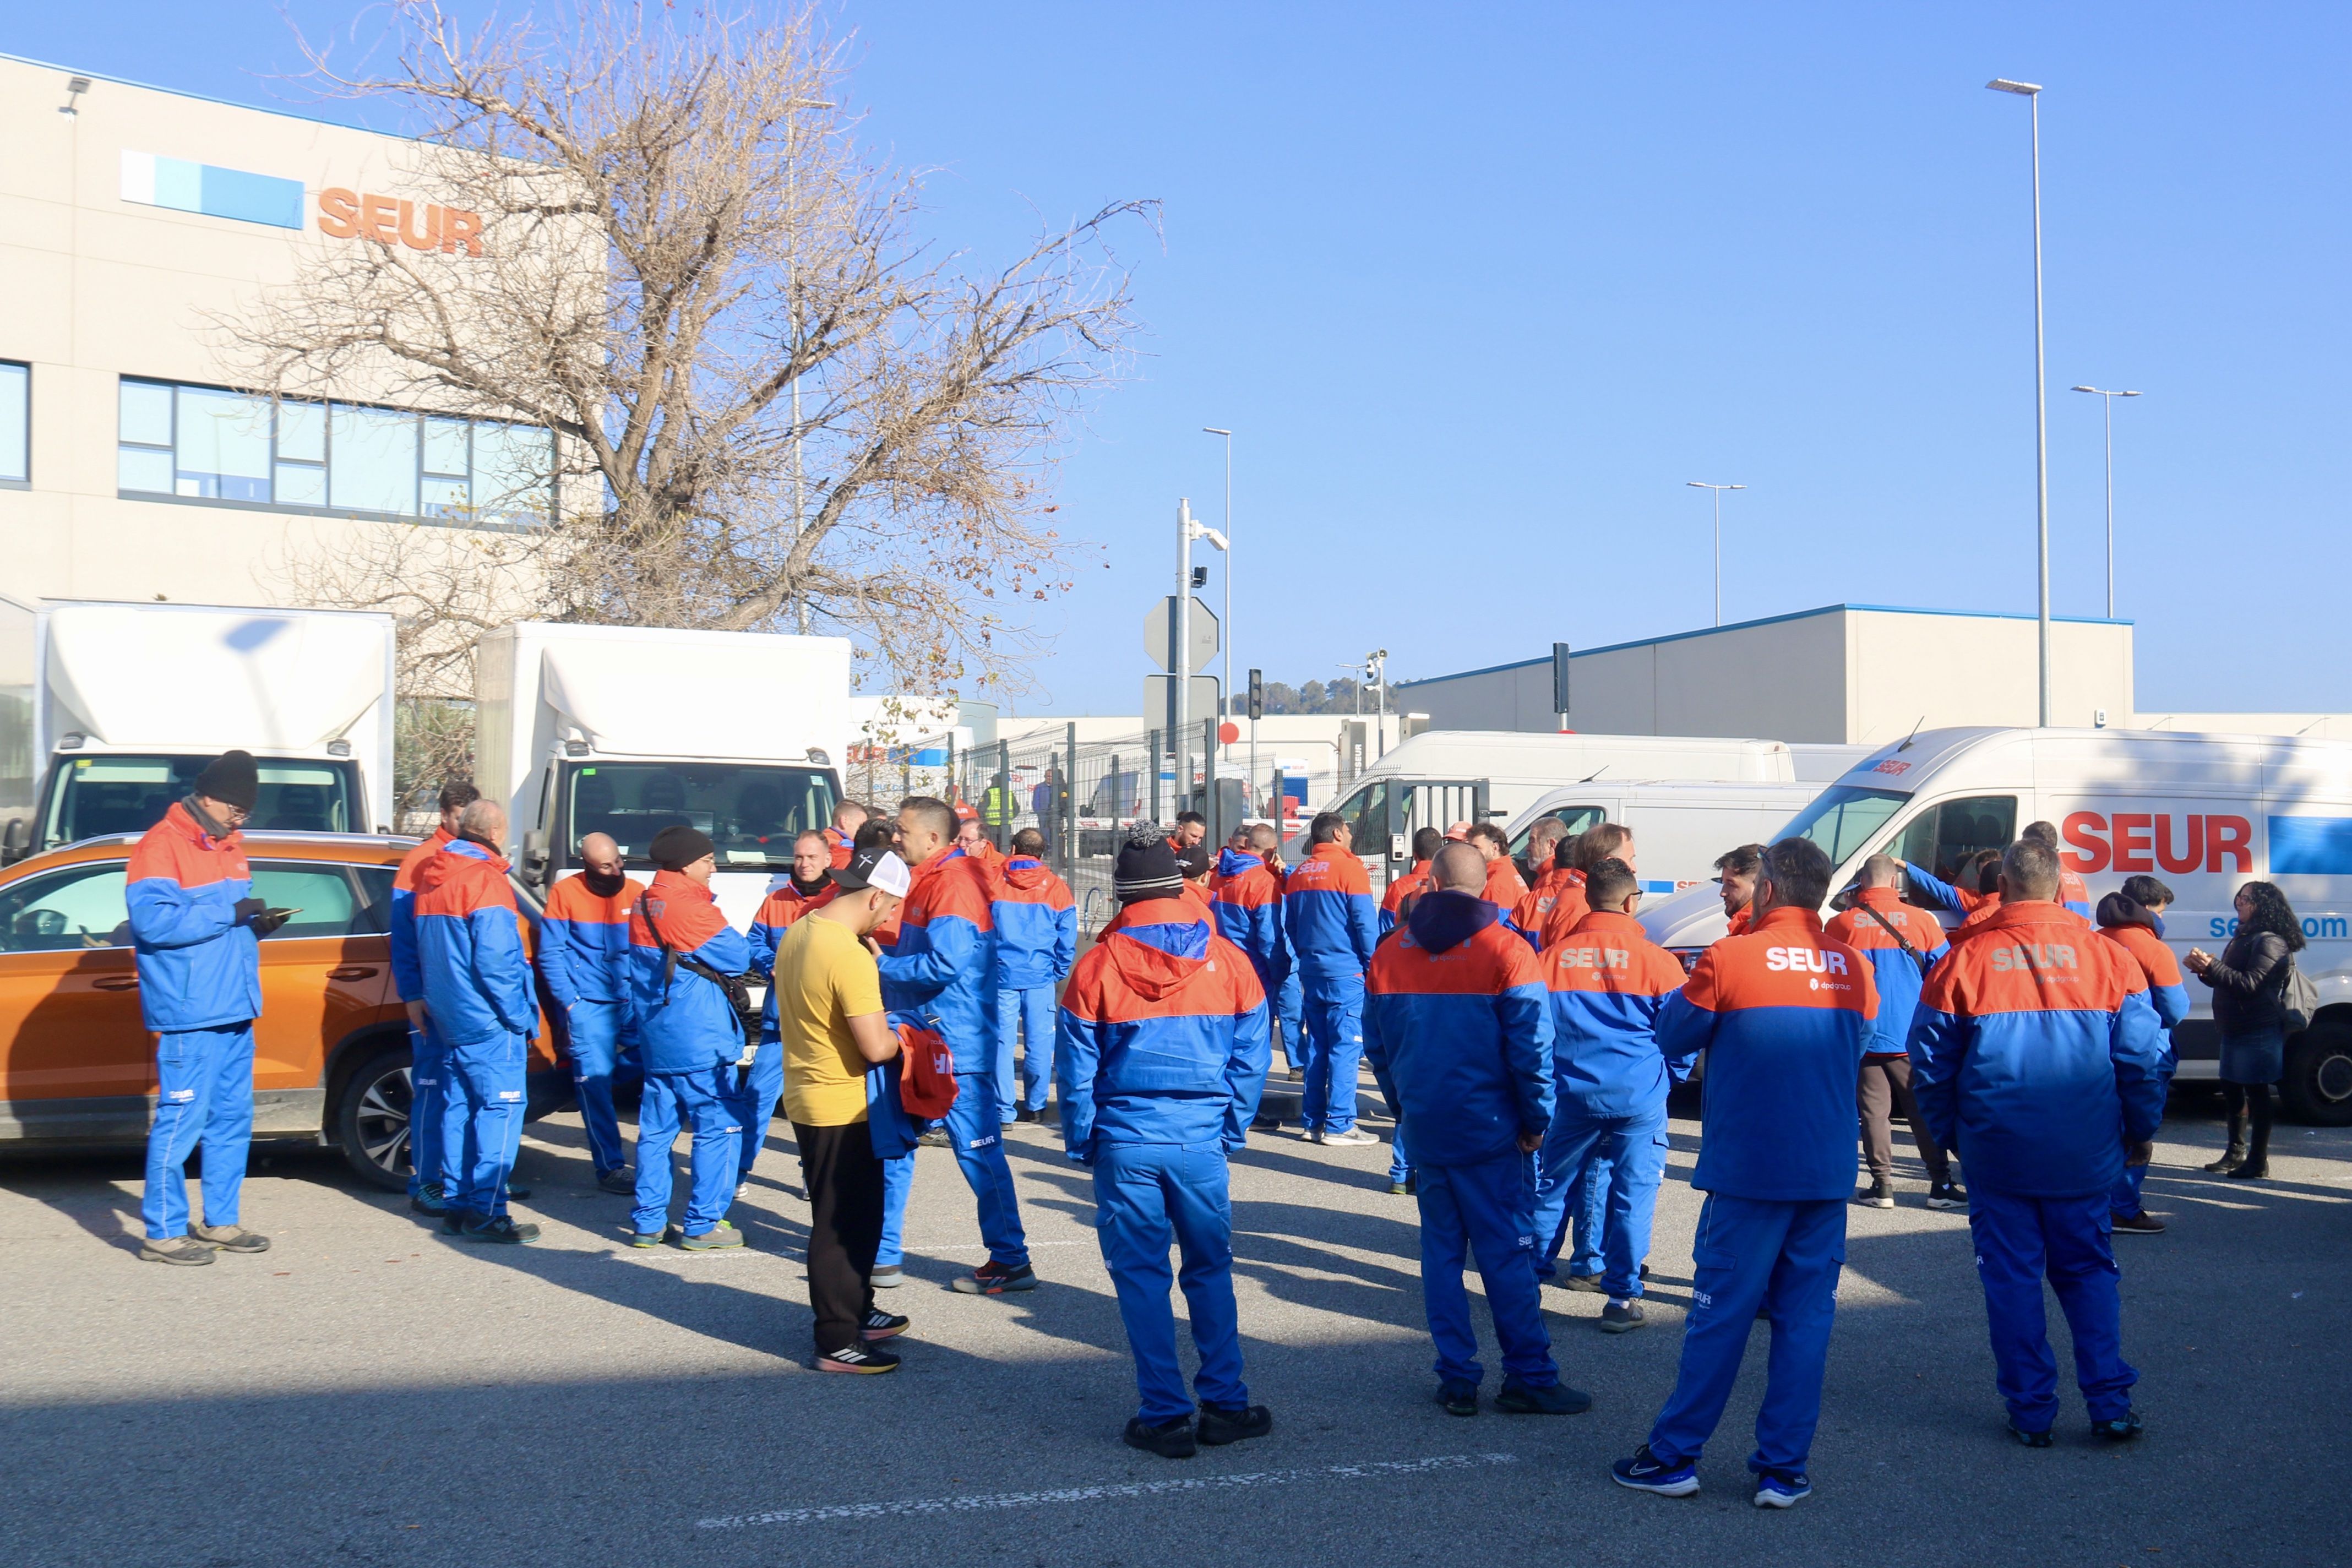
x=864 y=1359
x=229 y=1238
x=994 y=1279
x=1169 y=1439
x=499 y=1229
x=1622 y=1316
x=880 y=1325
x=1221 y=1425
x=1946 y=1196
x=1458 y=1398
x=2029 y=1439
x=1554 y=1399
x=1879 y=1194
x=2140 y=1224
x=2122 y=1429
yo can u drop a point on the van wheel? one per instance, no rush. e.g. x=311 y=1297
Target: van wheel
x=2317 y=1087
x=371 y=1119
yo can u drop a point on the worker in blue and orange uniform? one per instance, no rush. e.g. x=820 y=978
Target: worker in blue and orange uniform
x=1504 y=887
x=1551 y=874
x=1782 y=1014
x=682 y=954
x=195 y=932
x=2037 y=1056
x=1246 y=894
x=436 y=1155
x=1734 y=883
x=2072 y=891
x=1455 y=1029
x=808 y=885
x=478 y=988
x=2134 y=919
x=1601 y=841
x=1606 y=983
x=1589 y=1223
x=1161 y=1057
x=1902 y=943
x=1037 y=923
x=889 y=1272
x=583 y=957
x=942 y=972
x=847 y=818
x=1426 y=843
x=1333 y=925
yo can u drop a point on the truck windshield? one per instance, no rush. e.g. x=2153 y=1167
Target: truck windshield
x=1842 y=819
x=751 y=812
x=95 y=795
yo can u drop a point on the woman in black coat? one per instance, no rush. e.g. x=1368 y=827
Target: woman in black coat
x=2249 y=981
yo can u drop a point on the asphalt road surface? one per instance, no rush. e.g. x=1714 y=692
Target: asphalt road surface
x=370 y=1393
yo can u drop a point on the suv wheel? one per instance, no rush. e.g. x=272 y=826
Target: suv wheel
x=2317 y=1087
x=371 y=1119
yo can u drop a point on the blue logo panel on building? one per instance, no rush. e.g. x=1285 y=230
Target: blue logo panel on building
x=182 y=186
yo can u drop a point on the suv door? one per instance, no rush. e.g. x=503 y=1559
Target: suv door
x=78 y=1061
x=324 y=973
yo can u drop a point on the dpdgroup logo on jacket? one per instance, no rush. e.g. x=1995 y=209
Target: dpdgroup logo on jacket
x=685 y=1022
x=1783 y=1014
x=944 y=961
x=199 y=968
x=2037 y=1054
x=469 y=947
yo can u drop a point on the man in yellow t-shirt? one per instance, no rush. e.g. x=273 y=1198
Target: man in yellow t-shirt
x=828 y=996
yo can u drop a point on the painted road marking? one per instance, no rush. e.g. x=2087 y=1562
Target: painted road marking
x=1373 y=1469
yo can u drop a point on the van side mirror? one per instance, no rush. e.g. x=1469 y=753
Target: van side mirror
x=535 y=858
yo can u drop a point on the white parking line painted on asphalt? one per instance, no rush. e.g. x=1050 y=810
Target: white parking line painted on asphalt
x=1373 y=1469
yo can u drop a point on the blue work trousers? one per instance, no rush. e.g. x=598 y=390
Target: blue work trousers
x=1028 y=1013
x=1400 y=1159
x=1335 y=1046
x=898 y=1181
x=2019 y=1242
x=1487 y=1208
x=1751 y=1253
x=436 y=1121
x=2123 y=1200
x=1289 y=1005
x=1612 y=1166
x=976 y=1132
x=203 y=1094
x=1144 y=1194
x=701 y=1104
x=596 y=1029
x=487 y=1082
x=754 y=1103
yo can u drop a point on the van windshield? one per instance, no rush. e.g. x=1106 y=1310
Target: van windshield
x=95 y=795
x=752 y=812
x=1842 y=820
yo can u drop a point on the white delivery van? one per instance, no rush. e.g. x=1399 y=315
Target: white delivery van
x=627 y=730
x=2202 y=813
x=1679 y=826
x=1444 y=776
x=108 y=711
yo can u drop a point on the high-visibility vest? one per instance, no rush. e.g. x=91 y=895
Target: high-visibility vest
x=996 y=806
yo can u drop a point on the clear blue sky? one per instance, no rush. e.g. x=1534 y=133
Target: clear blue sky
x=1480 y=288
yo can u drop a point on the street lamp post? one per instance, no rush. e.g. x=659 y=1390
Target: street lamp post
x=2032 y=93
x=2107 y=407
x=1718 y=489
x=1213 y=430
x=793 y=286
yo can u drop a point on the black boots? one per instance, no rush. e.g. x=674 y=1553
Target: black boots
x=2235 y=1155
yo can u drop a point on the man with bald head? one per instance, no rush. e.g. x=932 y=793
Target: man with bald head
x=584 y=946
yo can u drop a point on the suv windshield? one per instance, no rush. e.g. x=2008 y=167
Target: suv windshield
x=90 y=797
x=1842 y=819
x=752 y=812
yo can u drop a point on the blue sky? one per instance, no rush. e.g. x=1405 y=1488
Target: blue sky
x=1479 y=288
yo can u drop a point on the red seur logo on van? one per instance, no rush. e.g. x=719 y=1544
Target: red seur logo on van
x=2150 y=841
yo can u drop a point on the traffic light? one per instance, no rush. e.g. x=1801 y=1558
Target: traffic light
x=1257 y=694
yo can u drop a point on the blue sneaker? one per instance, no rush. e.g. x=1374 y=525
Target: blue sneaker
x=1645 y=1472
x=1778 y=1489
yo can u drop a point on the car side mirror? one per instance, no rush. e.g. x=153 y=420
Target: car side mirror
x=535 y=858
x=15 y=840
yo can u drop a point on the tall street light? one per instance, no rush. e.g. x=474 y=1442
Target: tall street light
x=2032 y=93
x=792 y=288
x=2107 y=404
x=1718 y=489
x=1213 y=430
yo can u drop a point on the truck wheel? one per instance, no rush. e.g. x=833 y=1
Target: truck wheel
x=371 y=1119
x=2317 y=1087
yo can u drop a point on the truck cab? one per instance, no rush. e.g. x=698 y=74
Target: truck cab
x=90 y=795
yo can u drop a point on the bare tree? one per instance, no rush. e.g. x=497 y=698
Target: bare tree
x=775 y=406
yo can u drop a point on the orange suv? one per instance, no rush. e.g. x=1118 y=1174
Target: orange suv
x=331 y=1051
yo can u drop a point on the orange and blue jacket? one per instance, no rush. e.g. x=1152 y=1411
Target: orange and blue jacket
x=1533 y=911
x=2140 y=932
x=1037 y=924
x=1398 y=891
x=1568 y=908
x=199 y=965
x=944 y=962
x=1163 y=1036
x=1457 y=1031
x=1328 y=914
x=470 y=946
x=1783 y=1014
x=2036 y=1055
x=2072 y=896
x=1248 y=904
x=1606 y=984
x=1504 y=885
x=584 y=941
x=407 y=977
x=685 y=1022
x=1899 y=978
x=783 y=904
x=842 y=844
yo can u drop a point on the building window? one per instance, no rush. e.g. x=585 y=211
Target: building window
x=15 y=423
x=209 y=444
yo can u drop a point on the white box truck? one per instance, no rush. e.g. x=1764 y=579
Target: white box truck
x=625 y=730
x=2205 y=813
x=108 y=711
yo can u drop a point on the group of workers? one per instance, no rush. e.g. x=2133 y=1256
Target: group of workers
x=1522 y=1028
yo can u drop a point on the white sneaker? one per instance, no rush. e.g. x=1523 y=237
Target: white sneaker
x=1353 y=1138
x=742 y=1189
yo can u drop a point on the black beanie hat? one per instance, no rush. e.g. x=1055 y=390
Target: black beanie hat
x=676 y=846
x=1146 y=865
x=231 y=779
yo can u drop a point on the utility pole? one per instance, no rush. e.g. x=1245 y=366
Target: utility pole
x=2032 y=93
